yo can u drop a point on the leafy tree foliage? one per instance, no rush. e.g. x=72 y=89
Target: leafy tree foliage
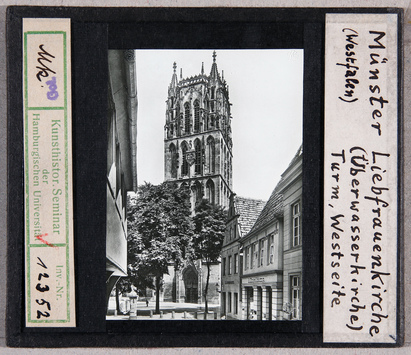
x=159 y=231
x=209 y=227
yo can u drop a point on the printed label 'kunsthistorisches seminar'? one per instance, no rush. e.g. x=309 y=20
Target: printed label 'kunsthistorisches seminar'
x=48 y=173
x=360 y=178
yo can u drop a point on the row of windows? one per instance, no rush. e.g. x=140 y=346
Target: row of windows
x=230 y=263
x=210 y=122
x=209 y=159
x=198 y=191
x=260 y=253
x=199 y=159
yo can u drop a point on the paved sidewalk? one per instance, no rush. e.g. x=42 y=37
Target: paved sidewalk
x=181 y=311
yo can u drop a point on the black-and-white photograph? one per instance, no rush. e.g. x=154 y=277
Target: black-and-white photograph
x=204 y=185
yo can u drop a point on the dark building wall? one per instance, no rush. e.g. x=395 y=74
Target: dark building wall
x=121 y=160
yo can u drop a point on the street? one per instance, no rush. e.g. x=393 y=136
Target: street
x=170 y=311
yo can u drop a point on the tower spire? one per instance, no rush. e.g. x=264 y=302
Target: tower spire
x=181 y=73
x=202 y=68
x=173 y=84
x=214 y=72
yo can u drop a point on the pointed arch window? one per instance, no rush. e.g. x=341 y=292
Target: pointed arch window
x=210 y=190
x=187 y=117
x=184 y=166
x=173 y=157
x=196 y=116
x=211 y=154
x=198 y=193
x=198 y=165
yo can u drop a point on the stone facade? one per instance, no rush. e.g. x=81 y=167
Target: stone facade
x=197 y=142
x=187 y=284
x=198 y=153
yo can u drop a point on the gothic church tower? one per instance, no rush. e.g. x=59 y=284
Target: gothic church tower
x=197 y=143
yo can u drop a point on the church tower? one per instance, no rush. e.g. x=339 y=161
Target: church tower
x=197 y=142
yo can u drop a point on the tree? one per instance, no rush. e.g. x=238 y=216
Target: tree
x=209 y=227
x=160 y=229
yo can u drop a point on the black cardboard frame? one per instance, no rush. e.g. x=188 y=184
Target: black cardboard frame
x=94 y=30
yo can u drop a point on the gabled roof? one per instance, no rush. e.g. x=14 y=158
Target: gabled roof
x=248 y=211
x=273 y=209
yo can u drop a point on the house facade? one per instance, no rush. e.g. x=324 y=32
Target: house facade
x=242 y=214
x=121 y=159
x=268 y=282
x=272 y=272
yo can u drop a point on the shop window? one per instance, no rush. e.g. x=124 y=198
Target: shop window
x=295 y=296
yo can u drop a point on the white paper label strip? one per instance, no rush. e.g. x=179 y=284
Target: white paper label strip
x=49 y=257
x=360 y=178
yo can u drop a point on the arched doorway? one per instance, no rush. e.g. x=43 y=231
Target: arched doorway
x=190 y=278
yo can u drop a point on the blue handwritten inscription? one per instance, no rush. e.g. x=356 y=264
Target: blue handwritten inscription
x=52 y=94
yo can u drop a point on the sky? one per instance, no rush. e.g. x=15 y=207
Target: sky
x=266 y=92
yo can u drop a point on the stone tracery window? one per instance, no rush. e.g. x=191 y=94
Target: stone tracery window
x=211 y=154
x=187 y=117
x=210 y=191
x=198 y=163
x=196 y=116
x=184 y=165
x=173 y=158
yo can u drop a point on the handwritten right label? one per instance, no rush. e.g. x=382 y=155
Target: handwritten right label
x=360 y=178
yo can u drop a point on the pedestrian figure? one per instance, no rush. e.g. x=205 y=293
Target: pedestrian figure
x=147 y=302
